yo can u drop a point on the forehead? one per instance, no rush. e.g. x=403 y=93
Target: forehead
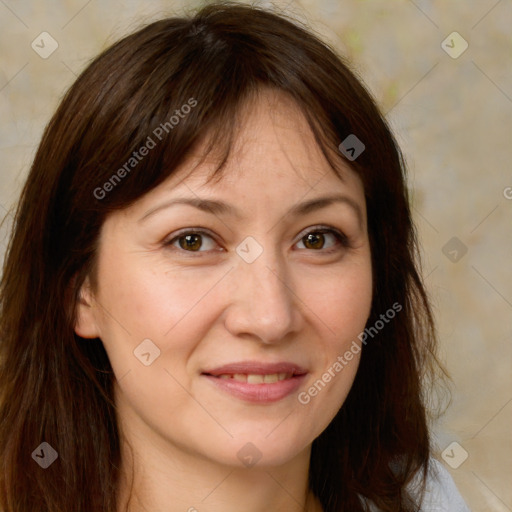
x=272 y=141
x=273 y=159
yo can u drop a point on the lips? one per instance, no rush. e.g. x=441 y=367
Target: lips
x=256 y=381
x=256 y=378
x=256 y=368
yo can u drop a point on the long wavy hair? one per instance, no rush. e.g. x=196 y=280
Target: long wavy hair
x=58 y=388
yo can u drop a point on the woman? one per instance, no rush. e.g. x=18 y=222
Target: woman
x=210 y=300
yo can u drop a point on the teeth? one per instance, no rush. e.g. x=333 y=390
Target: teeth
x=256 y=378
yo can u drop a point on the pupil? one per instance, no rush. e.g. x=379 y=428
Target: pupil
x=192 y=242
x=315 y=240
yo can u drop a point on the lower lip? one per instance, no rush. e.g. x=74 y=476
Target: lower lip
x=258 y=393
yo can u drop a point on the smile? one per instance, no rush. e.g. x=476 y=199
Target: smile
x=255 y=378
x=257 y=382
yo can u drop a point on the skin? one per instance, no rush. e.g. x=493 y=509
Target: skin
x=296 y=302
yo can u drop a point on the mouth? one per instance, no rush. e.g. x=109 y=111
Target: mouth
x=256 y=378
x=257 y=382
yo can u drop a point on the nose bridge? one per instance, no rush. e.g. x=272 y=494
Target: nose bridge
x=264 y=303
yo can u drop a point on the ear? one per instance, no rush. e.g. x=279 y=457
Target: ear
x=86 y=325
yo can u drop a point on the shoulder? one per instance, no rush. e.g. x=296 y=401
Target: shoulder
x=441 y=494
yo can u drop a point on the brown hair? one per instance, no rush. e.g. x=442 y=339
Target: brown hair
x=56 y=387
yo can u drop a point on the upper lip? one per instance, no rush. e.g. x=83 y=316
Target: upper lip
x=256 y=368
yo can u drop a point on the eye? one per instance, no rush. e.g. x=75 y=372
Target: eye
x=192 y=241
x=323 y=238
x=198 y=240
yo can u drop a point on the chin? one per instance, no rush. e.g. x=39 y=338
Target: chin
x=262 y=450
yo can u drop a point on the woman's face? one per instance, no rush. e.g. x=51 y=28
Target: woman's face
x=227 y=308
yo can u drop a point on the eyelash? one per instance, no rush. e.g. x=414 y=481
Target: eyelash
x=341 y=238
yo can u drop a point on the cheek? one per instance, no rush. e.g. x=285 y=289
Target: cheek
x=172 y=310
x=341 y=301
x=140 y=301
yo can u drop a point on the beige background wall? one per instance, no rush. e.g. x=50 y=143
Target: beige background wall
x=453 y=117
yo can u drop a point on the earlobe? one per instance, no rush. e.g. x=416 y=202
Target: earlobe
x=86 y=325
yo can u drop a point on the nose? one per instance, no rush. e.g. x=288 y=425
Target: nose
x=264 y=304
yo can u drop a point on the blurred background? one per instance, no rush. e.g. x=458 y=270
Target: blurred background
x=442 y=74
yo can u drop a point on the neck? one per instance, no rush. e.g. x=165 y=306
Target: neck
x=168 y=479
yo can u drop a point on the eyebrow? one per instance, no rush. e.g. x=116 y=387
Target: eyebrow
x=222 y=208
